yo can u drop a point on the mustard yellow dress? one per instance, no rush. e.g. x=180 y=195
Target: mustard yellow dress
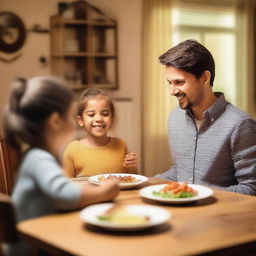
x=80 y=160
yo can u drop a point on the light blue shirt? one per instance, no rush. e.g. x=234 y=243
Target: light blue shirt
x=41 y=187
x=222 y=153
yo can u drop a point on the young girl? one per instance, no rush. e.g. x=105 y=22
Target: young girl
x=97 y=153
x=41 y=116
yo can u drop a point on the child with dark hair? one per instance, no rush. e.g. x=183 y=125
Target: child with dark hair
x=41 y=117
x=97 y=152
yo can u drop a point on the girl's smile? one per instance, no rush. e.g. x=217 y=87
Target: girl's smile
x=99 y=128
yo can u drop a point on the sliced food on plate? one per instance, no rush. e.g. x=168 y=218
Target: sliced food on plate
x=176 y=190
x=120 y=215
x=120 y=178
x=126 y=180
x=128 y=217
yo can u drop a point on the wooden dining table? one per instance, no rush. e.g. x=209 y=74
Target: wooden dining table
x=223 y=224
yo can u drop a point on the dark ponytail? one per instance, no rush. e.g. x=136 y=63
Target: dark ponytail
x=32 y=101
x=13 y=121
x=19 y=87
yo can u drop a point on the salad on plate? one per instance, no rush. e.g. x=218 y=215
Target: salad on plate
x=176 y=190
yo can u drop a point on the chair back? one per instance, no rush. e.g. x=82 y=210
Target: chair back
x=8 y=166
x=8 y=231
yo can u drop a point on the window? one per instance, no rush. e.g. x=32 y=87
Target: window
x=214 y=27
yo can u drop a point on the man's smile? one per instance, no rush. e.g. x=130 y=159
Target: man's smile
x=180 y=96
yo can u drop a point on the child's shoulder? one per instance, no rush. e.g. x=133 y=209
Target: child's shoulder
x=36 y=153
x=117 y=141
x=72 y=147
x=72 y=144
x=34 y=156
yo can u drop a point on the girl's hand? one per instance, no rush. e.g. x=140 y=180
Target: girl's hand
x=92 y=194
x=131 y=162
x=110 y=189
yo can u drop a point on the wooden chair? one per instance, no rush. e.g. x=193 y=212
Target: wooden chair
x=8 y=232
x=8 y=166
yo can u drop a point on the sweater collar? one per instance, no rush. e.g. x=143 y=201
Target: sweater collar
x=215 y=110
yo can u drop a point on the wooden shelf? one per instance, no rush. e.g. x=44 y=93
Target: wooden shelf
x=57 y=20
x=84 y=47
x=83 y=54
x=83 y=86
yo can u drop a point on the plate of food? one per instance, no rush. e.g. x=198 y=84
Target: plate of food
x=126 y=180
x=131 y=217
x=176 y=192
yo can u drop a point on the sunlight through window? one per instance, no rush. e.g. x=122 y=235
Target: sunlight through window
x=215 y=29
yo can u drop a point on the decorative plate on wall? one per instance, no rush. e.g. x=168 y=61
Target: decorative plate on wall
x=12 y=32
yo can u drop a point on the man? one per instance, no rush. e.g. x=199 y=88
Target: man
x=212 y=141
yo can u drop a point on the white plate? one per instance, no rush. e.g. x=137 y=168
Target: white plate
x=202 y=192
x=156 y=216
x=82 y=180
x=140 y=179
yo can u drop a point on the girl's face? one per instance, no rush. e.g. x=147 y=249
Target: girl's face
x=96 y=117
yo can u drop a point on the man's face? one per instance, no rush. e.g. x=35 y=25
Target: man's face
x=188 y=90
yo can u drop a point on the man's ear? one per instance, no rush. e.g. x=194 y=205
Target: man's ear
x=55 y=121
x=206 y=77
x=80 y=121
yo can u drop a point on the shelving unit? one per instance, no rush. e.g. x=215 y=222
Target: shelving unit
x=84 y=47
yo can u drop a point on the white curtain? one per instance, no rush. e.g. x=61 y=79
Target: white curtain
x=157 y=102
x=246 y=25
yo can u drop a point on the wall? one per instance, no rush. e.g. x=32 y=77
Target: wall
x=128 y=16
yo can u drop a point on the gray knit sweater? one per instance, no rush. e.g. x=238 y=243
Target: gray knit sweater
x=222 y=153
